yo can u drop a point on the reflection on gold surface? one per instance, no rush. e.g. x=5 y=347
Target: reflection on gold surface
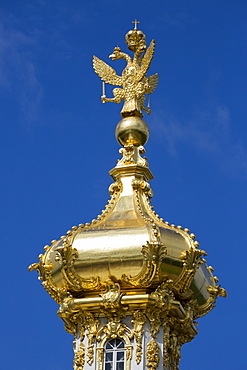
x=129 y=244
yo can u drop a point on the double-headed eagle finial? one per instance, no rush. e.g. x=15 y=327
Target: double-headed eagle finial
x=134 y=83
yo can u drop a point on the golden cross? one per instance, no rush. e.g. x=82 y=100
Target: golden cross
x=135 y=21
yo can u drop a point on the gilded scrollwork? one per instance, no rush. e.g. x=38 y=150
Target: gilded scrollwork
x=111 y=300
x=182 y=326
x=192 y=259
x=72 y=319
x=79 y=358
x=164 y=297
x=215 y=292
x=166 y=344
x=154 y=317
x=100 y=357
x=175 y=351
x=114 y=329
x=172 y=342
x=66 y=256
x=132 y=155
x=92 y=326
x=153 y=252
x=144 y=186
x=115 y=187
x=45 y=275
x=138 y=322
x=152 y=354
x=176 y=332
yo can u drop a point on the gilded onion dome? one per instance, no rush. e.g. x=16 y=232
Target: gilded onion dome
x=128 y=243
x=129 y=272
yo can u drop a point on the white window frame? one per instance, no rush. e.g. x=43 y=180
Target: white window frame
x=115 y=349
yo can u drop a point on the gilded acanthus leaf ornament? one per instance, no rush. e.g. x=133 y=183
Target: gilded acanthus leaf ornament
x=66 y=257
x=153 y=253
x=132 y=155
x=138 y=322
x=133 y=81
x=111 y=300
x=152 y=355
x=79 y=358
x=192 y=259
x=92 y=325
x=45 y=275
x=175 y=353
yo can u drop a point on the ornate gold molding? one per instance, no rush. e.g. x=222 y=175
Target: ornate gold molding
x=138 y=322
x=215 y=292
x=66 y=257
x=164 y=297
x=175 y=351
x=92 y=326
x=132 y=155
x=72 y=319
x=144 y=186
x=152 y=354
x=153 y=253
x=166 y=344
x=79 y=358
x=114 y=329
x=45 y=275
x=111 y=300
x=192 y=259
x=182 y=326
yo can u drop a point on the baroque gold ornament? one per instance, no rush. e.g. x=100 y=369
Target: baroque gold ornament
x=152 y=355
x=92 y=326
x=138 y=322
x=133 y=81
x=79 y=358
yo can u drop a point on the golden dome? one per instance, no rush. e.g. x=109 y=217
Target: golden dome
x=129 y=244
x=128 y=260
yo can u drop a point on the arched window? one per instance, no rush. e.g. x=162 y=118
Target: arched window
x=114 y=354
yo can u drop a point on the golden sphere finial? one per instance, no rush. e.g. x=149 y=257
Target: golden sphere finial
x=132 y=130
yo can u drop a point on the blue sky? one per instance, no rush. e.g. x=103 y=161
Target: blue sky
x=57 y=146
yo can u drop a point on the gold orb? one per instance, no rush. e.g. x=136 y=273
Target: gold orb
x=132 y=130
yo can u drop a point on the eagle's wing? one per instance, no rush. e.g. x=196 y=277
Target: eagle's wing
x=106 y=73
x=152 y=83
x=146 y=60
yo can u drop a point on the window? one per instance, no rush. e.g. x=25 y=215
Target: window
x=114 y=354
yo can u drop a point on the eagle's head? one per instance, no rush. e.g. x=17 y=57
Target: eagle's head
x=116 y=53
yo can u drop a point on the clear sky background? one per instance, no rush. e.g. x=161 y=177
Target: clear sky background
x=57 y=146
